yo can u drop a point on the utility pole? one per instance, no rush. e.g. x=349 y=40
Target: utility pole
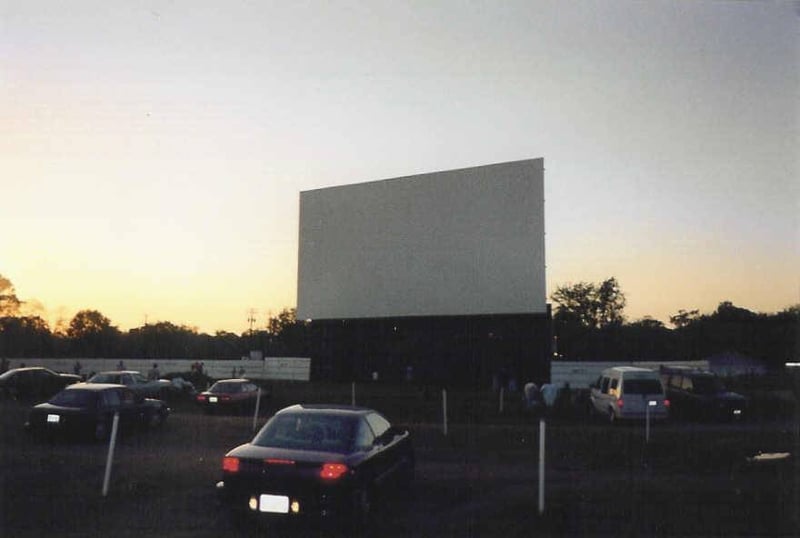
x=251 y=319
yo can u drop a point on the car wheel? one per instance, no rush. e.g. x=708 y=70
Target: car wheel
x=156 y=420
x=406 y=477
x=101 y=431
x=362 y=507
x=590 y=412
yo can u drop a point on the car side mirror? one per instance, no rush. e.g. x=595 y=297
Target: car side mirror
x=388 y=436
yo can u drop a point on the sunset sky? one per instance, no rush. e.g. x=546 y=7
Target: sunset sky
x=152 y=152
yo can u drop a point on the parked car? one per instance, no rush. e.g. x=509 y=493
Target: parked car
x=33 y=384
x=181 y=384
x=322 y=462
x=235 y=395
x=701 y=395
x=137 y=382
x=628 y=392
x=87 y=410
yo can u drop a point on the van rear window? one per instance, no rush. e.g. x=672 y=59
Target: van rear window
x=642 y=386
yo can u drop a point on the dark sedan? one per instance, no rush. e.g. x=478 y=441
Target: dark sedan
x=34 y=383
x=697 y=394
x=87 y=410
x=136 y=381
x=322 y=462
x=229 y=395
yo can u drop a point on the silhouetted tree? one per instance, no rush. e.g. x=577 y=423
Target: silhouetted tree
x=285 y=335
x=588 y=318
x=591 y=305
x=25 y=336
x=91 y=334
x=647 y=339
x=9 y=303
x=684 y=318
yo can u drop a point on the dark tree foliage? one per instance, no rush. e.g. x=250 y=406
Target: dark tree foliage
x=588 y=325
x=592 y=305
x=91 y=335
x=773 y=338
x=9 y=303
x=284 y=336
x=25 y=337
x=586 y=330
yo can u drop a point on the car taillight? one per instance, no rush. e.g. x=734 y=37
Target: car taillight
x=225 y=397
x=620 y=403
x=230 y=464
x=332 y=471
x=666 y=402
x=201 y=397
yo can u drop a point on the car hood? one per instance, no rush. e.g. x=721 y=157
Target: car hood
x=71 y=377
x=50 y=408
x=730 y=396
x=250 y=451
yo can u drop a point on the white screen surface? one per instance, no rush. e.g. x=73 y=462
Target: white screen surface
x=459 y=242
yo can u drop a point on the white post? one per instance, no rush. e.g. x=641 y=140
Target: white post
x=353 y=393
x=650 y=404
x=258 y=406
x=111 y=444
x=444 y=411
x=502 y=394
x=541 y=466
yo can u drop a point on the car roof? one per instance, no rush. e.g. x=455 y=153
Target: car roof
x=29 y=369
x=327 y=409
x=94 y=387
x=630 y=369
x=687 y=370
x=118 y=372
x=234 y=380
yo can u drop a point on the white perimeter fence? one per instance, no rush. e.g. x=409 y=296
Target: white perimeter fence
x=288 y=368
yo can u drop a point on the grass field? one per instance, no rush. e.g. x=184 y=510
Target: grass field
x=479 y=480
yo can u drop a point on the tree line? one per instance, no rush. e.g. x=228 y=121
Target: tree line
x=91 y=334
x=588 y=324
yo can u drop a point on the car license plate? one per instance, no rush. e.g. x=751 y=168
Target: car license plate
x=53 y=419
x=273 y=503
x=212 y=399
x=737 y=411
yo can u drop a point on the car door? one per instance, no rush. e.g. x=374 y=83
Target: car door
x=108 y=405
x=132 y=409
x=385 y=456
x=600 y=396
x=365 y=445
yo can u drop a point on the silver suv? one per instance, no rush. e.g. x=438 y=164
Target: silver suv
x=628 y=392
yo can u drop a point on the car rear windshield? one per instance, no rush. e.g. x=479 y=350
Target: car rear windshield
x=75 y=398
x=104 y=378
x=326 y=433
x=225 y=388
x=642 y=386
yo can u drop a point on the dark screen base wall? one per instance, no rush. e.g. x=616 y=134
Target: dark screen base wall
x=442 y=350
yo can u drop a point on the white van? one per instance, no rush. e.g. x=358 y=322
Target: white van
x=627 y=392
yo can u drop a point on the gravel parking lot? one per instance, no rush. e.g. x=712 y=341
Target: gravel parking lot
x=479 y=480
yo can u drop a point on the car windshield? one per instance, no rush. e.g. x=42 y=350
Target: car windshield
x=642 y=386
x=75 y=398
x=707 y=384
x=298 y=431
x=225 y=388
x=104 y=378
